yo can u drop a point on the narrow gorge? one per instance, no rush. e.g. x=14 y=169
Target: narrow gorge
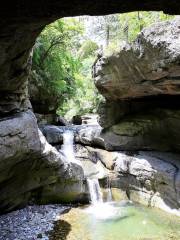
x=124 y=156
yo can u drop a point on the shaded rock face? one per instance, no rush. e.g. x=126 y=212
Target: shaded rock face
x=50 y=118
x=111 y=112
x=153 y=130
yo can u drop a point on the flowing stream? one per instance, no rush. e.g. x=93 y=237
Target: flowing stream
x=94 y=191
x=99 y=208
x=105 y=220
x=123 y=220
x=108 y=189
x=67 y=147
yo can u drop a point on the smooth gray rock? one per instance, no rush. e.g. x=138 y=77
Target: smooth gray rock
x=84 y=134
x=92 y=161
x=150 y=177
x=28 y=163
x=141 y=86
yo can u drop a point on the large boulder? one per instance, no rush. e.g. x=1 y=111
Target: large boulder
x=152 y=178
x=147 y=67
x=92 y=165
x=141 y=86
x=84 y=134
x=28 y=164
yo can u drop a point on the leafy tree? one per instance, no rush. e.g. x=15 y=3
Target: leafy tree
x=54 y=65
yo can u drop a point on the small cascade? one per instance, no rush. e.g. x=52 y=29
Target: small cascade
x=67 y=147
x=109 y=192
x=98 y=208
x=95 y=191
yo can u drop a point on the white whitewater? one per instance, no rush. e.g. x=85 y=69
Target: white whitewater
x=98 y=208
x=94 y=191
x=67 y=147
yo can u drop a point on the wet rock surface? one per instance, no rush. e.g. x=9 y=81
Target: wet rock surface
x=84 y=134
x=149 y=177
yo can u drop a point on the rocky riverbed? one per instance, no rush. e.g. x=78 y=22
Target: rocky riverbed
x=30 y=223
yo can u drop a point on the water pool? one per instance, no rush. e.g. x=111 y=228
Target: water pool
x=116 y=221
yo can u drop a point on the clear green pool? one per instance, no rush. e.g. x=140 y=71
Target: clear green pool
x=117 y=221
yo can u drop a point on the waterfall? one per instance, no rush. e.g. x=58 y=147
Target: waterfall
x=95 y=191
x=98 y=208
x=67 y=147
x=109 y=193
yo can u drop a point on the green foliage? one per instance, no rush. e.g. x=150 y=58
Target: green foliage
x=86 y=98
x=135 y=21
x=87 y=49
x=130 y=25
x=62 y=63
x=53 y=60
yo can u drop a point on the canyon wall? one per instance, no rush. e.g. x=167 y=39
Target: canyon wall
x=141 y=86
x=141 y=112
x=29 y=166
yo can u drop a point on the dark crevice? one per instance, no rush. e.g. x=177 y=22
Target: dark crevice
x=20 y=55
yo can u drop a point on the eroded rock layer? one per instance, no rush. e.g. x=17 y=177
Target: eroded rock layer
x=148 y=67
x=141 y=85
